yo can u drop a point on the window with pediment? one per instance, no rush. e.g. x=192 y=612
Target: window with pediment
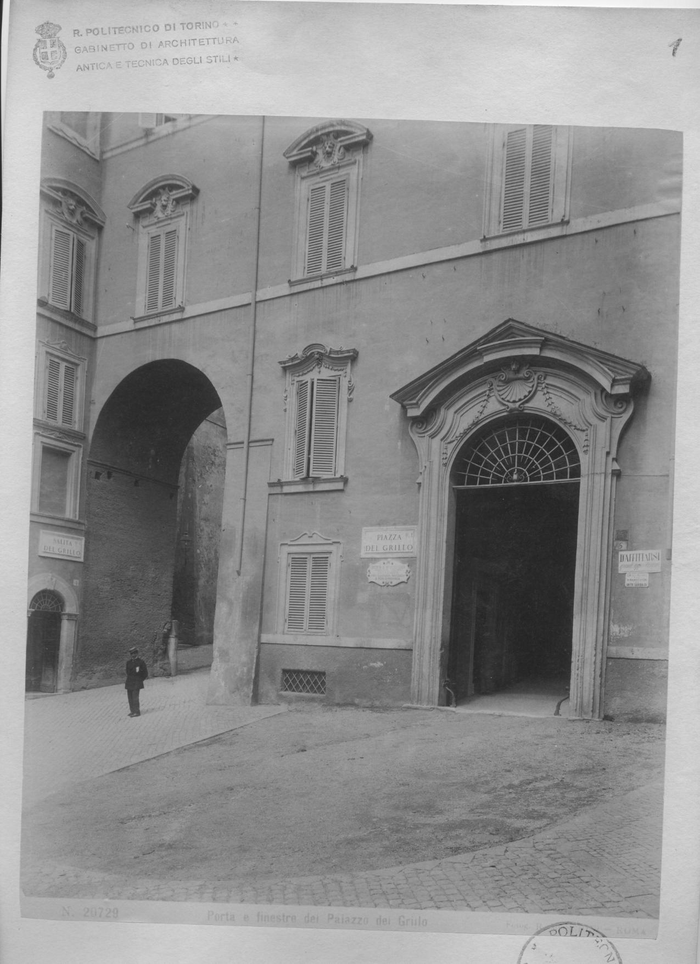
x=162 y=208
x=71 y=224
x=528 y=178
x=328 y=164
x=309 y=579
x=319 y=388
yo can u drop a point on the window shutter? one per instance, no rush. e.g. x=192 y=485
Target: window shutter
x=324 y=426
x=153 y=278
x=61 y=252
x=169 y=268
x=307 y=593
x=297 y=582
x=514 y=179
x=78 y=276
x=335 y=248
x=53 y=388
x=68 y=399
x=301 y=428
x=316 y=229
x=541 y=176
x=318 y=593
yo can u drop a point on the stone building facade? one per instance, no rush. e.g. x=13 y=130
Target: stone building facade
x=440 y=359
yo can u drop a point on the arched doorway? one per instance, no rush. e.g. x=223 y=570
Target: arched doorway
x=518 y=370
x=516 y=490
x=43 y=642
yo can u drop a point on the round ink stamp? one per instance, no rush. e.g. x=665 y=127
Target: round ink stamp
x=549 y=946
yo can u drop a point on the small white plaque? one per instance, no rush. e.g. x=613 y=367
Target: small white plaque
x=640 y=560
x=638 y=580
x=60 y=546
x=390 y=541
x=388 y=572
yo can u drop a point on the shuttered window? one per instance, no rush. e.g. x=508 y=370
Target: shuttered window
x=68 y=271
x=306 y=609
x=528 y=178
x=162 y=264
x=54 y=480
x=316 y=427
x=326 y=226
x=60 y=396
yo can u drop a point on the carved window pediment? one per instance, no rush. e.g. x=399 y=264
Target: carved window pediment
x=328 y=143
x=162 y=197
x=318 y=390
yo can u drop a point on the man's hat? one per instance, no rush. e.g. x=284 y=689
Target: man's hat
x=134 y=649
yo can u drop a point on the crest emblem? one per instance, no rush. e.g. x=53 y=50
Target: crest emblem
x=49 y=52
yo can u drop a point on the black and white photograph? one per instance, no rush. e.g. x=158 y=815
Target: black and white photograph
x=350 y=506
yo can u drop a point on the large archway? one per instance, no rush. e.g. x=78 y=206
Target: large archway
x=518 y=369
x=516 y=490
x=135 y=528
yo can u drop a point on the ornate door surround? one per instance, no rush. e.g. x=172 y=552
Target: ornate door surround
x=517 y=368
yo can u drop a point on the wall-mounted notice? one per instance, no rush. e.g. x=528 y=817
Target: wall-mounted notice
x=388 y=572
x=637 y=580
x=390 y=541
x=61 y=546
x=640 y=560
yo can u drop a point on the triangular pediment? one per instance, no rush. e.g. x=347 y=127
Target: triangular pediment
x=516 y=340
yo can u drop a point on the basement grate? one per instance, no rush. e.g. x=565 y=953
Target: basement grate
x=304 y=681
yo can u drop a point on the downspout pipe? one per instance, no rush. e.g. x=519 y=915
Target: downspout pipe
x=251 y=360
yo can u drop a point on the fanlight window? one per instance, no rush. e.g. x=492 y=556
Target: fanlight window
x=526 y=450
x=46 y=601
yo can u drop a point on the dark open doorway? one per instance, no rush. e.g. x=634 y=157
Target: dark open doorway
x=43 y=643
x=515 y=556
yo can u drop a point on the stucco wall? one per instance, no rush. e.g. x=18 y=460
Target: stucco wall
x=635 y=689
x=363 y=677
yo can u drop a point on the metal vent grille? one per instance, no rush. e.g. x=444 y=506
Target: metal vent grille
x=304 y=681
x=528 y=450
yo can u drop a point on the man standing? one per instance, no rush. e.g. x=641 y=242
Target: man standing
x=136 y=673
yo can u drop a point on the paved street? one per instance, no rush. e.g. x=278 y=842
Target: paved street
x=77 y=736
x=604 y=861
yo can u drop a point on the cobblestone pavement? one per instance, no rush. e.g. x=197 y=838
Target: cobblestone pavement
x=605 y=861
x=73 y=737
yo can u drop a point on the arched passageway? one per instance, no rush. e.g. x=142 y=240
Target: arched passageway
x=137 y=516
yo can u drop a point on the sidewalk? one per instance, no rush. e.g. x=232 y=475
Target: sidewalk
x=73 y=737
